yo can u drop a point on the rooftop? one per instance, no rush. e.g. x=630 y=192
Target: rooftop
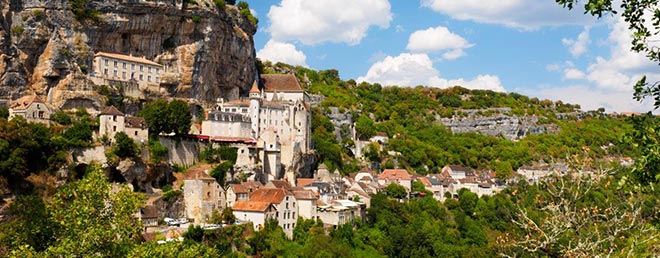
x=25 y=101
x=400 y=174
x=199 y=171
x=112 y=111
x=135 y=122
x=250 y=206
x=269 y=195
x=129 y=58
x=281 y=83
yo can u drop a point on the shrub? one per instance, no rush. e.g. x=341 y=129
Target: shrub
x=169 y=196
x=157 y=151
x=125 y=147
x=17 y=30
x=61 y=117
x=220 y=4
x=196 y=18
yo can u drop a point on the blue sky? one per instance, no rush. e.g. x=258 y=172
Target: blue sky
x=535 y=48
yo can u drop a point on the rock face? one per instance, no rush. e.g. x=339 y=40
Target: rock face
x=207 y=53
x=511 y=127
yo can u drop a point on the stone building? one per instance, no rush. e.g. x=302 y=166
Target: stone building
x=111 y=121
x=202 y=194
x=32 y=108
x=120 y=67
x=276 y=115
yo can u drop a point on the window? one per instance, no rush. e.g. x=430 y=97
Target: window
x=149 y=78
x=123 y=75
x=123 y=65
x=114 y=73
x=135 y=132
x=157 y=70
x=115 y=63
x=41 y=114
x=114 y=128
x=149 y=70
x=133 y=66
x=287 y=205
x=105 y=71
x=141 y=68
x=106 y=61
x=141 y=77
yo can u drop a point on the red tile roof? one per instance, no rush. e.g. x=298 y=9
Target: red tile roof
x=281 y=184
x=135 y=122
x=391 y=174
x=250 y=206
x=269 y=195
x=129 y=58
x=25 y=101
x=304 y=181
x=255 y=88
x=424 y=181
x=112 y=111
x=281 y=83
x=304 y=195
x=198 y=172
x=246 y=187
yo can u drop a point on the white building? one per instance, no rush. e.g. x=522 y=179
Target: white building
x=121 y=67
x=266 y=203
x=112 y=121
x=202 y=194
x=32 y=108
x=279 y=119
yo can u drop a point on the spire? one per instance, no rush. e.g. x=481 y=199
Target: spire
x=255 y=88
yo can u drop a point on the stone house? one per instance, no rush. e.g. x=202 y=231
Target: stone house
x=202 y=194
x=339 y=212
x=283 y=208
x=32 y=108
x=397 y=176
x=111 y=121
x=457 y=171
x=241 y=192
x=119 y=67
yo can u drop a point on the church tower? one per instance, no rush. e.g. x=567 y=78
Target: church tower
x=255 y=106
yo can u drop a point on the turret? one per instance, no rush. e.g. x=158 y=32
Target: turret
x=255 y=106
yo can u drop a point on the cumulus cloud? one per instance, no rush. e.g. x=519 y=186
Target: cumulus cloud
x=282 y=52
x=521 y=14
x=313 y=22
x=408 y=69
x=578 y=46
x=438 y=39
x=624 y=67
x=592 y=98
x=573 y=74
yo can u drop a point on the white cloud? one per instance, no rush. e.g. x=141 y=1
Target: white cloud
x=522 y=14
x=438 y=39
x=313 y=22
x=578 y=46
x=624 y=67
x=573 y=74
x=451 y=55
x=409 y=69
x=282 y=52
x=591 y=98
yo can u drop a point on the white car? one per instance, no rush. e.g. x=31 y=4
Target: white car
x=171 y=221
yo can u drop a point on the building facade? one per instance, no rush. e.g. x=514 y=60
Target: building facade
x=112 y=121
x=32 y=108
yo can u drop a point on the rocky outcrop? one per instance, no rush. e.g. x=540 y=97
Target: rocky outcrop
x=342 y=121
x=208 y=53
x=510 y=127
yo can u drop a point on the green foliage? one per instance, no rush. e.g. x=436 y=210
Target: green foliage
x=220 y=4
x=194 y=233
x=244 y=9
x=17 y=30
x=365 y=128
x=196 y=18
x=174 y=249
x=163 y=117
x=171 y=195
x=157 y=152
x=84 y=218
x=26 y=148
x=219 y=172
x=228 y=216
x=124 y=146
x=216 y=155
x=61 y=117
x=81 y=12
x=4 y=112
x=396 y=191
x=80 y=134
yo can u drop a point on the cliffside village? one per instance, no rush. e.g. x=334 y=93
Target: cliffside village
x=271 y=130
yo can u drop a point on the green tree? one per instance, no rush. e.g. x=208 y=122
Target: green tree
x=61 y=117
x=93 y=219
x=4 y=113
x=365 y=127
x=179 y=117
x=125 y=147
x=228 y=216
x=219 y=172
x=396 y=191
x=156 y=115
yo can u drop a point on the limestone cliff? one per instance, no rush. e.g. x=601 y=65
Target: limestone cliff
x=207 y=52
